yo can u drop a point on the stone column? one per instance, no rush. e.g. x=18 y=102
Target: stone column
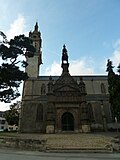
x=85 y=118
x=50 y=127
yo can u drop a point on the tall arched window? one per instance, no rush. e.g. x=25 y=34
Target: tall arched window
x=91 y=114
x=39 y=113
x=103 y=89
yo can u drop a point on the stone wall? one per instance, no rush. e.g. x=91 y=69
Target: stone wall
x=27 y=144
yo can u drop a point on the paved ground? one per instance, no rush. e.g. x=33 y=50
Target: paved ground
x=78 y=141
x=70 y=141
x=27 y=155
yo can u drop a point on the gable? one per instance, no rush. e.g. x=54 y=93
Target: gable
x=66 y=83
x=66 y=87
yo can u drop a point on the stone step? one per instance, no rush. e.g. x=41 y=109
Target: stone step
x=78 y=150
x=59 y=142
x=78 y=143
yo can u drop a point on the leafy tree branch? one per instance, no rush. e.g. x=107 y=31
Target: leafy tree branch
x=11 y=74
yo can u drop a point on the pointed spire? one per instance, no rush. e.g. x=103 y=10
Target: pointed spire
x=65 y=64
x=64 y=55
x=64 y=49
x=36 y=26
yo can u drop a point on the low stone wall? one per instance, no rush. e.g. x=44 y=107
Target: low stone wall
x=116 y=144
x=28 y=144
x=61 y=142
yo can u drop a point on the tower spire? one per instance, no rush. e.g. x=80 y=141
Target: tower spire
x=65 y=64
x=36 y=26
x=34 y=63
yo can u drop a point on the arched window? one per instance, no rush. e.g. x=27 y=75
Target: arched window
x=91 y=115
x=103 y=89
x=43 y=89
x=39 y=113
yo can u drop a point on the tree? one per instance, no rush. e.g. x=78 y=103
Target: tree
x=12 y=115
x=118 y=69
x=114 y=89
x=11 y=74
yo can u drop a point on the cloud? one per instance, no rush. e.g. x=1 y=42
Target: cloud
x=115 y=55
x=54 y=69
x=81 y=66
x=76 y=67
x=115 y=58
x=116 y=44
x=17 y=27
x=6 y=106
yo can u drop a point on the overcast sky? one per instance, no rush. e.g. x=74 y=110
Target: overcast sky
x=89 y=28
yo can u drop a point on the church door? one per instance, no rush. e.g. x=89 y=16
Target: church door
x=67 y=122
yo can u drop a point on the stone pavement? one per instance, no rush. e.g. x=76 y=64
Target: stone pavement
x=59 y=142
x=78 y=141
x=35 y=155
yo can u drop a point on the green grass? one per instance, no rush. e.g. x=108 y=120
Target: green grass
x=8 y=134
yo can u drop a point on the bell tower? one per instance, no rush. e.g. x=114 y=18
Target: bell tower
x=34 y=62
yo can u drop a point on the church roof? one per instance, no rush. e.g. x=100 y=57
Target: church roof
x=65 y=82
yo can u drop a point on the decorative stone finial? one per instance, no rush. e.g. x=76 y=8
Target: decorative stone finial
x=64 y=55
x=65 y=63
x=64 y=49
x=36 y=26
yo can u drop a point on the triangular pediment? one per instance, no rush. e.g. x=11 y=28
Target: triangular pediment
x=66 y=88
x=66 y=83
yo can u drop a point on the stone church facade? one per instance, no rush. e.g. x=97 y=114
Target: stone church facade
x=65 y=103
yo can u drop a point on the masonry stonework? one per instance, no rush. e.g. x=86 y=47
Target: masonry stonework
x=65 y=103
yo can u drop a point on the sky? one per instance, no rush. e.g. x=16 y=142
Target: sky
x=90 y=29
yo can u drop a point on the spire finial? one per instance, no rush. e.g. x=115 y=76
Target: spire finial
x=36 y=26
x=64 y=49
x=65 y=63
x=64 y=55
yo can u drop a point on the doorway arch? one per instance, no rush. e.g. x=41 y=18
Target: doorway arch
x=67 y=122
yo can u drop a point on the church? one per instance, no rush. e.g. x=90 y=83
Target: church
x=65 y=103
